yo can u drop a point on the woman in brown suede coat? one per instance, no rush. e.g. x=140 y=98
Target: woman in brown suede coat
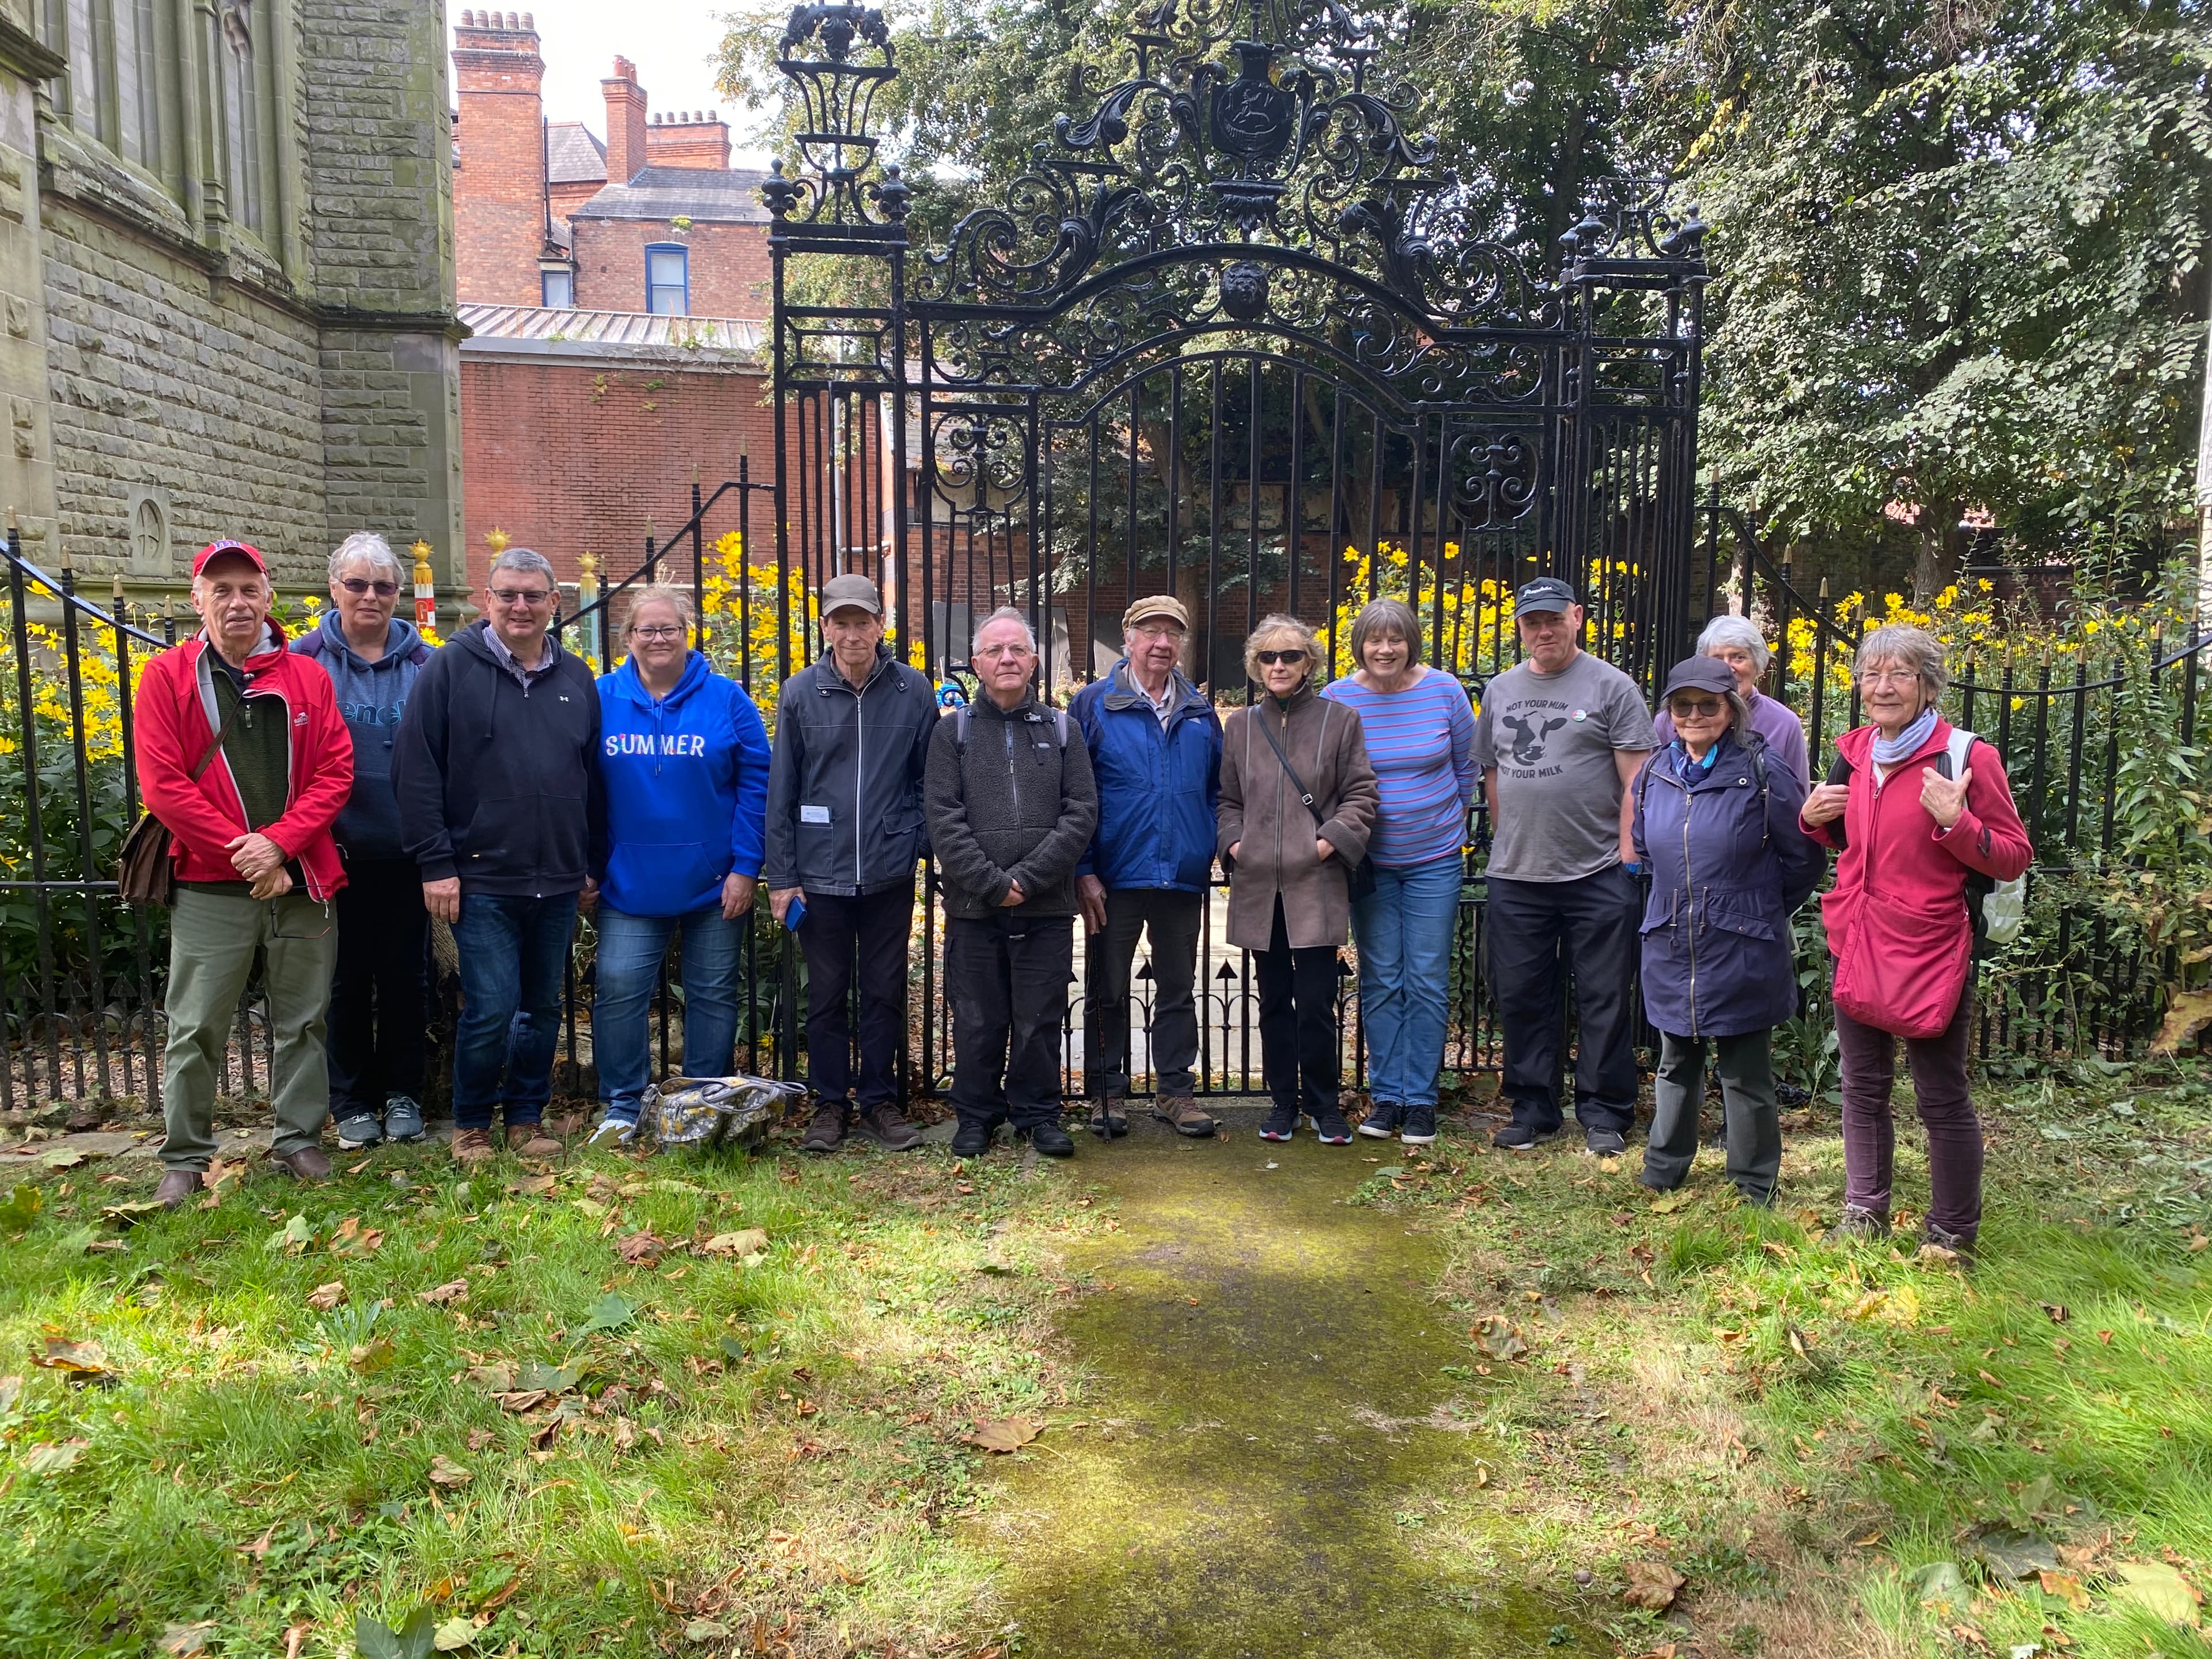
x=1289 y=864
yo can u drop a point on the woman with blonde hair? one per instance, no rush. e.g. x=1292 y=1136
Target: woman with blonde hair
x=1297 y=803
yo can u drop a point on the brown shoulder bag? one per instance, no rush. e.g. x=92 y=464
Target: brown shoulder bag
x=144 y=874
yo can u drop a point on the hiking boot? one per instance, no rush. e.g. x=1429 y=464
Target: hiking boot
x=308 y=1164
x=1051 y=1141
x=826 y=1134
x=402 y=1118
x=1941 y=1245
x=612 y=1131
x=971 y=1140
x=531 y=1140
x=1418 y=1127
x=1605 y=1143
x=1282 y=1123
x=882 y=1124
x=1381 y=1120
x=1183 y=1112
x=1856 y=1223
x=473 y=1146
x=1520 y=1137
x=178 y=1187
x=358 y=1132
x=1331 y=1128
x=1109 y=1116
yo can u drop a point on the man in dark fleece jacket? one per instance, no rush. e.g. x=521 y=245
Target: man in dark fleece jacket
x=500 y=805
x=1010 y=806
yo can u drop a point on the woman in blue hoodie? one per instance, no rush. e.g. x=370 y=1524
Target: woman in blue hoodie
x=684 y=758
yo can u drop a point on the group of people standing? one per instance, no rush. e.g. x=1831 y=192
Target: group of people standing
x=328 y=796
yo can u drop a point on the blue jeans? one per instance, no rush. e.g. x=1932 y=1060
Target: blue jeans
x=513 y=951
x=1404 y=932
x=630 y=951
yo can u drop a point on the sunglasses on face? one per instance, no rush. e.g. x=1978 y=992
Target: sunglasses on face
x=1704 y=708
x=521 y=595
x=1290 y=659
x=357 y=585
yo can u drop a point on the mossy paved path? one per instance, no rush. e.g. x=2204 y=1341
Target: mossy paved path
x=1274 y=1461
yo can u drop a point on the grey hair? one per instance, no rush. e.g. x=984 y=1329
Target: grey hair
x=1386 y=617
x=368 y=545
x=1005 y=613
x=1909 y=648
x=666 y=594
x=1727 y=628
x=1268 y=627
x=525 y=558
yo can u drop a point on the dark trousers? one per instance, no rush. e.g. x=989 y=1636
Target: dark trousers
x=1007 y=977
x=1751 y=1124
x=1589 y=927
x=873 y=930
x=377 y=989
x=1172 y=919
x=1868 y=1059
x=513 y=953
x=1300 y=1047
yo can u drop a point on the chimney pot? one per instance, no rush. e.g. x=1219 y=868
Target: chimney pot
x=529 y=20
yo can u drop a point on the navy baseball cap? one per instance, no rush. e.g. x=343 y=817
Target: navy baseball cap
x=1544 y=593
x=1700 y=674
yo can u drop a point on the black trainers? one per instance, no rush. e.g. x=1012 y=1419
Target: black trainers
x=1605 y=1143
x=1051 y=1141
x=1282 y=1123
x=358 y=1132
x=1856 y=1223
x=882 y=1125
x=1418 y=1128
x=1331 y=1128
x=1519 y=1137
x=402 y=1118
x=1381 y=1120
x=971 y=1140
x=826 y=1134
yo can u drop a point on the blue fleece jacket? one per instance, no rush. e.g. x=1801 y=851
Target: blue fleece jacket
x=372 y=696
x=687 y=789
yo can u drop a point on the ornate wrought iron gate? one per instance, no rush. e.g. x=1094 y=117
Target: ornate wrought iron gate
x=1233 y=335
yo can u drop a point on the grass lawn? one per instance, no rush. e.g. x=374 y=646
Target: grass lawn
x=567 y=1412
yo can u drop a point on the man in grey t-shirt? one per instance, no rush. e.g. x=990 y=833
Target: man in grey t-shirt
x=1560 y=739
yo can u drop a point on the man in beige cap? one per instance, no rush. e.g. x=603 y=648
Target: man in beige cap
x=1155 y=747
x=844 y=830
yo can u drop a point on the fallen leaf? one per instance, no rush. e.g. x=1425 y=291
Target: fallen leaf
x=454 y=1634
x=1940 y=1583
x=1499 y=1337
x=496 y=1378
x=324 y=1297
x=641 y=1249
x=21 y=1208
x=521 y=1399
x=372 y=1355
x=533 y=1185
x=444 y=1472
x=222 y=1176
x=259 y=1547
x=2159 y=1589
x=2017 y=1555
x=478 y=1439
x=2186 y=1014
x=11 y=1392
x=131 y=1213
x=294 y=1237
x=375 y=1639
x=1652 y=1585
x=1669 y=1203
x=1003 y=1434
x=553 y=1379
x=2057 y=1312
x=705 y=1630
x=352 y=1238
x=295 y=1638
x=2066 y=1586
x=54 y=1459
x=185 y=1640
x=743 y=1242
x=88 y=1360
x=439 y=1295
x=610 y=1313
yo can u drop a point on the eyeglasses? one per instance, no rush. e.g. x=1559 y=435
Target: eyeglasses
x=1288 y=658
x=1889 y=676
x=358 y=585
x=1702 y=708
x=521 y=595
x=1156 y=631
x=993 y=652
x=659 y=631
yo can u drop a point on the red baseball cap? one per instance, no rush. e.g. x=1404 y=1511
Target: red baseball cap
x=216 y=549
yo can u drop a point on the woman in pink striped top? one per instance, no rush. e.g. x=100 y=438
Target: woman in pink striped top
x=1420 y=736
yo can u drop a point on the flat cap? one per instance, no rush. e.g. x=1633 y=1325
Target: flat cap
x=855 y=592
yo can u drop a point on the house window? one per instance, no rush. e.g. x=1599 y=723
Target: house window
x=242 y=114
x=668 y=278
x=557 y=288
x=113 y=90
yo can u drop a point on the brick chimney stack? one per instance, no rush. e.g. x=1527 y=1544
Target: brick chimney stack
x=626 y=123
x=499 y=181
x=689 y=138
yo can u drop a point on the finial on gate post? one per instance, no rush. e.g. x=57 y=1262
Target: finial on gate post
x=426 y=588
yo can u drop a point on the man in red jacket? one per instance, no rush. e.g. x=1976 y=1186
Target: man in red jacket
x=243 y=756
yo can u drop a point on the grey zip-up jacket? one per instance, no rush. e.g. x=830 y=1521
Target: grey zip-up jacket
x=844 y=784
x=1018 y=805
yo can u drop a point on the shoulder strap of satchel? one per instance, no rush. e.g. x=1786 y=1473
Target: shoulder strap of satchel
x=222 y=732
x=1260 y=714
x=1952 y=760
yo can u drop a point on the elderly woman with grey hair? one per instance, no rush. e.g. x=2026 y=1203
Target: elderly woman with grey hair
x=1737 y=642
x=374 y=1051
x=1297 y=804
x=1921 y=815
x=1419 y=730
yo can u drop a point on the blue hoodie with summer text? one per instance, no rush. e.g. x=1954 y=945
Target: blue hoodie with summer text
x=686 y=780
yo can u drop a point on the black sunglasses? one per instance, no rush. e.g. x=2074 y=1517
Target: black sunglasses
x=1288 y=658
x=358 y=585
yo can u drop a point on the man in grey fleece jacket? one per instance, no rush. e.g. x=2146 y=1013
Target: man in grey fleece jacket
x=1010 y=807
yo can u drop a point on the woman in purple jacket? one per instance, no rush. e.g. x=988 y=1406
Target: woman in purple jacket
x=1716 y=826
x=1737 y=642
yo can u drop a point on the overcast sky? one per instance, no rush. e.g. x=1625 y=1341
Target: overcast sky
x=671 y=42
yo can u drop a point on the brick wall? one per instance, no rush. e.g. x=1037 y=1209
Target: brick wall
x=566 y=457
x=729 y=265
x=499 y=192
x=677 y=142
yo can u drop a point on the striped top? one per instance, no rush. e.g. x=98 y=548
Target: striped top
x=1421 y=743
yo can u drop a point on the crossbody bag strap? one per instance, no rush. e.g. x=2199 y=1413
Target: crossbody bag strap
x=222 y=732
x=1296 y=782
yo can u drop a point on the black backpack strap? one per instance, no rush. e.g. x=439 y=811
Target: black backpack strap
x=1839 y=771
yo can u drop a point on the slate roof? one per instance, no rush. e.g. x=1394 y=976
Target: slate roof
x=573 y=155
x=730 y=198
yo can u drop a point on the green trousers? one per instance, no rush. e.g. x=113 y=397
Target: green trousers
x=212 y=938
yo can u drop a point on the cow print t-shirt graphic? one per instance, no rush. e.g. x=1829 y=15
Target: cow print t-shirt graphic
x=1551 y=739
